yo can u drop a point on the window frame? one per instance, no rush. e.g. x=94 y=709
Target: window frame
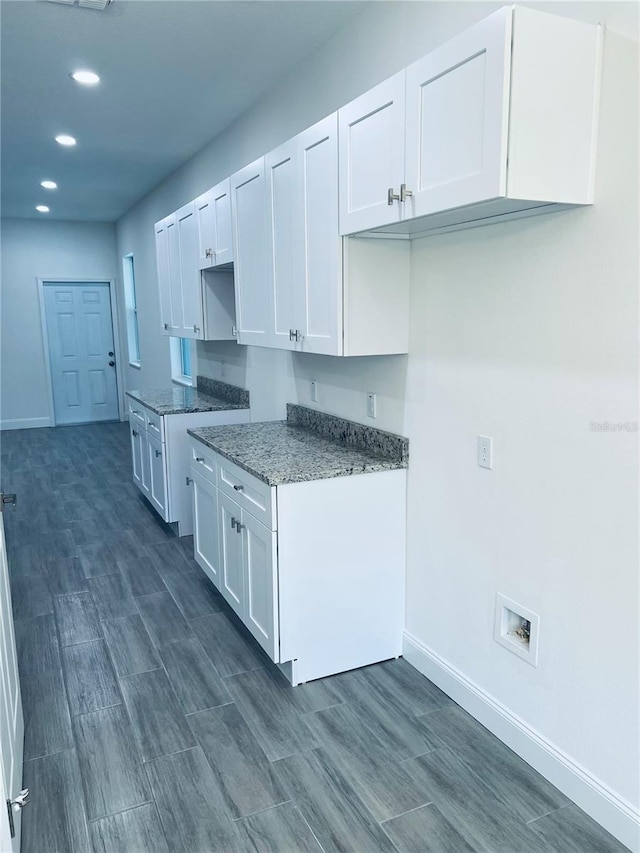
x=131 y=311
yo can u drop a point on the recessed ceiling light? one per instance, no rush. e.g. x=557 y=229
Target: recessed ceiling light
x=42 y=208
x=49 y=185
x=87 y=78
x=63 y=139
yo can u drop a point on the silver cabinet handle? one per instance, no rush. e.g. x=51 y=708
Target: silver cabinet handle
x=391 y=196
x=158 y=453
x=199 y=458
x=239 y=527
x=165 y=326
x=405 y=193
x=233 y=522
x=208 y=253
x=196 y=329
x=189 y=480
x=134 y=433
x=239 y=488
x=234 y=331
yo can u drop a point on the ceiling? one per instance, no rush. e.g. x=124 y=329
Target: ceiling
x=174 y=74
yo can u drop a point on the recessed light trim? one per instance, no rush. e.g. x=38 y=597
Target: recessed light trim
x=64 y=139
x=42 y=208
x=49 y=185
x=86 y=78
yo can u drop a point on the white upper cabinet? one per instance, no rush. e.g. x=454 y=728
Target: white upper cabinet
x=213 y=214
x=164 y=277
x=456 y=120
x=499 y=121
x=254 y=304
x=371 y=132
x=193 y=304
x=305 y=271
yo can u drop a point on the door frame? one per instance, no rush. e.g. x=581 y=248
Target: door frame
x=44 y=280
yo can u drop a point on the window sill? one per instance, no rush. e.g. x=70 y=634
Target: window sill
x=183 y=380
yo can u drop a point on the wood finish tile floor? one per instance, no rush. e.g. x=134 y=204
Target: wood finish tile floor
x=155 y=724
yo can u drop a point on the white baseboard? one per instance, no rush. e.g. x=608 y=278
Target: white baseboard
x=618 y=816
x=25 y=423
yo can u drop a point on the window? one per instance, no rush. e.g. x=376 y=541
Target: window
x=133 y=340
x=181 y=360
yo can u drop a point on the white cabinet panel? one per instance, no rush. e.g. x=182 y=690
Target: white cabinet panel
x=261 y=578
x=136 y=454
x=284 y=228
x=164 y=280
x=371 y=134
x=254 y=305
x=213 y=214
x=456 y=119
x=232 y=586
x=190 y=281
x=175 y=275
x=206 y=543
x=157 y=475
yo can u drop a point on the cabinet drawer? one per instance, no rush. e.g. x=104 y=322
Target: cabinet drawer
x=155 y=425
x=247 y=491
x=136 y=413
x=203 y=461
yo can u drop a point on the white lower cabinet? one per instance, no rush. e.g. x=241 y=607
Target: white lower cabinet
x=315 y=570
x=160 y=455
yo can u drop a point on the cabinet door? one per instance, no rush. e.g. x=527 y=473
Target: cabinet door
x=164 y=280
x=145 y=463
x=190 y=280
x=206 y=542
x=286 y=238
x=136 y=454
x=205 y=216
x=249 y=216
x=321 y=260
x=371 y=140
x=261 y=579
x=157 y=475
x=232 y=580
x=175 y=274
x=223 y=249
x=457 y=119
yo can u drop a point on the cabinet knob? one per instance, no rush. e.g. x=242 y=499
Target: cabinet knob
x=199 y=458
x=165 y=325
x=189 y=480
x=208 y=253
x=405 y=193
x=233 y=522
x=239 y=527
x=134 y=433
x=391 y=196
x=196 y=329
x=239 y=488
x=158 y=453
x=234 y=331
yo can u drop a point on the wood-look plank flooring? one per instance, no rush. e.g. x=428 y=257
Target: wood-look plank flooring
x=154 y=722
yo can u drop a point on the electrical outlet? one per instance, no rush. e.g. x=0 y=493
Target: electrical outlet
x=372 y=405
x=485 y=451
x=223 y=368
x=314 y=391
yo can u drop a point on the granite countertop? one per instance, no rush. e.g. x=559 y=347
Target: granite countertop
x=182 y=399
x=295 y=450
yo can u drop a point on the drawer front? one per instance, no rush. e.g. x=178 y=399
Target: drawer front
x=250 y=493
x=155 y=425
x=136 y=413
x=203 y=461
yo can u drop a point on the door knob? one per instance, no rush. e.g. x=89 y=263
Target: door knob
x=110 y=354
x=111 y=363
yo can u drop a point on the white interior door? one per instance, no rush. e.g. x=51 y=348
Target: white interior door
x=11 y=719
x=81 y=352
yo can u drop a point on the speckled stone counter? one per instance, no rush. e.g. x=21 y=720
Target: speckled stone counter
x=309 y=445
x=180 y=400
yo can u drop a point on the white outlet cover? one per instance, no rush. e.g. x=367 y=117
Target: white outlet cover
x=314 y=391
x=372 y=409
x=485 y=451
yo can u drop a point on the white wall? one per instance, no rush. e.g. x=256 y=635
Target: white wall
x=32 y=249
x=525 y=331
